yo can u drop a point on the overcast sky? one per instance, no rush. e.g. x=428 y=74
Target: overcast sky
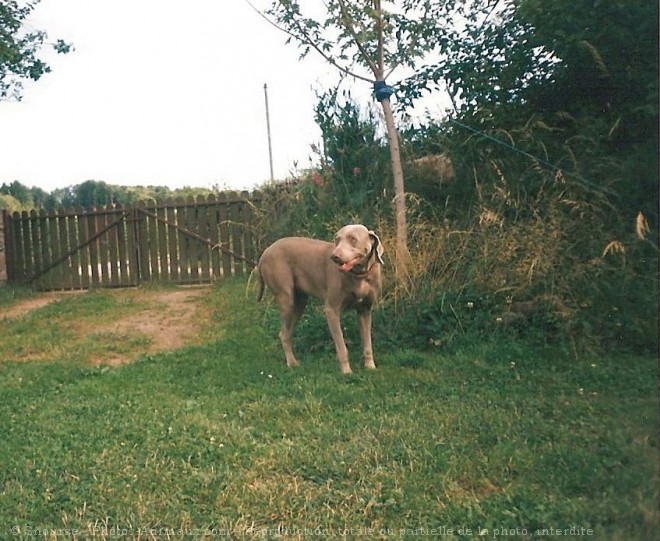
x=162 y=92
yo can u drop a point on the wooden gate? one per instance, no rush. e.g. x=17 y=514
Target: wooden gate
x=181 y=241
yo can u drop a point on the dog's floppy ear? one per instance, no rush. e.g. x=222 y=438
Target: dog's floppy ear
x=378 y=246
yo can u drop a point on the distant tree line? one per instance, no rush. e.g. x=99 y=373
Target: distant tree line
x=16 y=196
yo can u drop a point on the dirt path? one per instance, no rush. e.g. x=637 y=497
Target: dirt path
x=171 y=325
x=169 y=320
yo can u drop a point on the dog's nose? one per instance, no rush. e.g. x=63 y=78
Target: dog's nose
x=338 y=260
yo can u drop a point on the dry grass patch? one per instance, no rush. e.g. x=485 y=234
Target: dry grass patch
x=109 y=327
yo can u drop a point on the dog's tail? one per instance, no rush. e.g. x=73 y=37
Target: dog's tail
x=260 y=285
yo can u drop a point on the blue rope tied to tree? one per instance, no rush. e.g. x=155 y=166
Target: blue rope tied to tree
x=382 y=90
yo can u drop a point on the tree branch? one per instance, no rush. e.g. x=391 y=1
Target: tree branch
x=492 y=9
x=306 y=40
x=381 y=43
x=345 y=19
x=410 y=47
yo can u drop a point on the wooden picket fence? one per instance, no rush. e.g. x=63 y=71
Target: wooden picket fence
x=189 y=241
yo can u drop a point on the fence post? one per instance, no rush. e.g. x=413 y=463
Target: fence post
x=4 y=232
x=223 y=222
x=214 y=262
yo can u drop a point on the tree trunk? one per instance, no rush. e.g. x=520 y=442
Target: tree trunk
x=402 y=253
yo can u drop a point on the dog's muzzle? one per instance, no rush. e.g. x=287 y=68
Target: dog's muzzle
x=345 y=266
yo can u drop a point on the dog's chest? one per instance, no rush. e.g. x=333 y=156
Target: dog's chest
x=362 y=293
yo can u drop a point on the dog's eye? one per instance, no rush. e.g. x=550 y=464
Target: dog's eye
x=352 y=240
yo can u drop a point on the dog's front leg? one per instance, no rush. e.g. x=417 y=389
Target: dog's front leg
x=332 y=314
x=364 y=326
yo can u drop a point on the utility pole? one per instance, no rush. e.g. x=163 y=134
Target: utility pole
x=270 y=146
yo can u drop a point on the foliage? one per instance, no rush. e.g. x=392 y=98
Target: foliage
x=17 y=196
x=20 y=48
x=10 y=203
x=608 y=59
x=221 y=439
x=356 y=166
x=487 y=59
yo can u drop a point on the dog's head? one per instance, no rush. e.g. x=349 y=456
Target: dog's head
x=354 y=247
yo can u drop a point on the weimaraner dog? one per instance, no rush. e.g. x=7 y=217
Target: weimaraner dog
x=346 y=274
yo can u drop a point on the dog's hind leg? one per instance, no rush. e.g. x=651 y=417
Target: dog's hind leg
x=291 y=307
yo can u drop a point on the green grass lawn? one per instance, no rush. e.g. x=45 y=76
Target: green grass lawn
x=495 y=440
